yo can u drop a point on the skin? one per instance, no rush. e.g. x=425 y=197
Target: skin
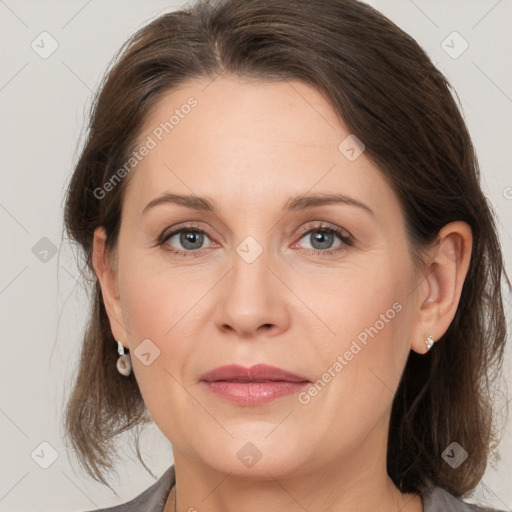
x=250 y=146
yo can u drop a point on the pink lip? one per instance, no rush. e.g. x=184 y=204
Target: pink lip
x=256 y=373
x=256 y=385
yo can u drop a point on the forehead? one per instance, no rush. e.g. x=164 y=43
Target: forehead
x=250 y=140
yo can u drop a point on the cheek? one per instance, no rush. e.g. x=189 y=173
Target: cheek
x=156 y=308
x=151 y=307
x=358 y=302
x=360 y=363
x=370 y=343
x=157 y=296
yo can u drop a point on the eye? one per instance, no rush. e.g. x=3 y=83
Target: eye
x=321 y=239
x=186 y=241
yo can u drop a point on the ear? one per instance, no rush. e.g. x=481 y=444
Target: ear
x=107 y=276
x=439 y=292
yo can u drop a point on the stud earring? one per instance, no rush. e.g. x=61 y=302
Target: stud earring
x=124 y=361
x=430 y=342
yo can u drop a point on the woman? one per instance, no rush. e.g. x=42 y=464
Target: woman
x=297 y=275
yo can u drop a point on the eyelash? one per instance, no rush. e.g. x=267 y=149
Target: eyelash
x=342 y=234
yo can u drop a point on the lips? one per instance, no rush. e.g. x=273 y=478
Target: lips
x=256 y=373
x=255 y=386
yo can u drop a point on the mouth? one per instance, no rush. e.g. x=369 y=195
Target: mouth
x=257 y=385
x=256 y=373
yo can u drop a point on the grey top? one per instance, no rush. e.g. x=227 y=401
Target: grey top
x=153 y=499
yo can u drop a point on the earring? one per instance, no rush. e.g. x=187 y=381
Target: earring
x=430 y=342
x=124 y=361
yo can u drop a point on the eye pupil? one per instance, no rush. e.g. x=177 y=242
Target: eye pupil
x=325 y=238
x=189 y=239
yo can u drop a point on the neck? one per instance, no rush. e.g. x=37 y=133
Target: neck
x=348 y=484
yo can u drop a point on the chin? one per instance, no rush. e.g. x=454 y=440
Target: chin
x=258 y=458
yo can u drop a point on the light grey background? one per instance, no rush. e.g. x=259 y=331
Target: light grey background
x=42 y=303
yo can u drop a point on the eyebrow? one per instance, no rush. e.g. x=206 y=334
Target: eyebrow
x=293 y=204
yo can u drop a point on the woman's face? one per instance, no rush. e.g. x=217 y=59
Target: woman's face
x=263 y=278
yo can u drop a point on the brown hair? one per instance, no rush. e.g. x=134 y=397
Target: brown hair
x=388 y=93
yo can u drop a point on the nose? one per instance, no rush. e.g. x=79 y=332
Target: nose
x=253 y=299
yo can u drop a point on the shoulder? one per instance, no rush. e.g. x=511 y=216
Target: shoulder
x=439 y=500
x=152 y=499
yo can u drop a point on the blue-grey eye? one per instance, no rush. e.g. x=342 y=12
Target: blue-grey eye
x=322 y=238
x=189 y=239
